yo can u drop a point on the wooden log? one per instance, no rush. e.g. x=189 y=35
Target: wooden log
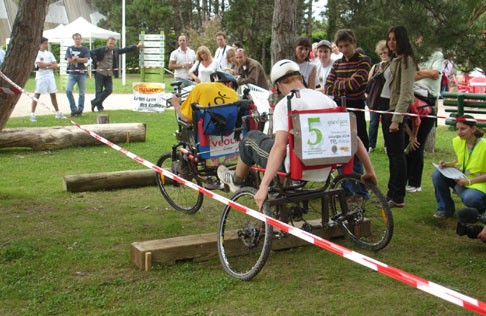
x=102 y=119
x=47 y=138
x=202 y=247
x=109 y=180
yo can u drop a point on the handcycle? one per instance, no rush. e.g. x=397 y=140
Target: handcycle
x=213 y=135
x=359 y=209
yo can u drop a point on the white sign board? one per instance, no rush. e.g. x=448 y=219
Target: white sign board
x=151 y=57
x=151 y=37
x=225 y=145
x=326 y=136
x=152 y=50
x=153 y=44
x=147 y=96
x=153 y=64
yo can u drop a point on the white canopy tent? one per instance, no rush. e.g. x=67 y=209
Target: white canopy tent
x=80 y=25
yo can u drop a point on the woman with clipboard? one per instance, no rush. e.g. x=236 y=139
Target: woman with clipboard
x=470 y=149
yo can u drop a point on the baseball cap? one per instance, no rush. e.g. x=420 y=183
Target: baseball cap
x=324 y=43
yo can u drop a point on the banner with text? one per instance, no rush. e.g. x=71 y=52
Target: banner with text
x=148 y=96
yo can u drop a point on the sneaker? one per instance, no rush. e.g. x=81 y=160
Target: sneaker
x=442 y=214
x=227 y=177
x=213 y=184
x=392 y=204
x=33 y=119
x=371 y=149
x=413 y=189
x=59 y=115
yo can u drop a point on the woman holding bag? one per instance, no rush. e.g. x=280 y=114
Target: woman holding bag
x=204 y=66
x=398 y=88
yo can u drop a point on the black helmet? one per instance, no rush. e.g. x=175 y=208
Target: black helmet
x=222 y=76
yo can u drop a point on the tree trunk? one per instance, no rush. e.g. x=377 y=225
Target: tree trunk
x=283 y=29
x=308 y=27
x=22 y=50
x=333 y=15
x=430 y=142
x=178 y=20
x=46 y=138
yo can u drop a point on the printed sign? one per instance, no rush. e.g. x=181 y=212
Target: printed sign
x=151 y=37
x=147 y=96
x=324 y=138
x=223 y=145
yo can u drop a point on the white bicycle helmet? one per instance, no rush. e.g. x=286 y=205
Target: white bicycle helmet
x=283 y=69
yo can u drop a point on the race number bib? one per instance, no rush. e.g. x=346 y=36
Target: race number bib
x=324 y=138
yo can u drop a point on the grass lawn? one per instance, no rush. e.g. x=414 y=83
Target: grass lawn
x=68 y=253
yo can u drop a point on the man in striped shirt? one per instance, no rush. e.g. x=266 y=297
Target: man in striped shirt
x=348 y=78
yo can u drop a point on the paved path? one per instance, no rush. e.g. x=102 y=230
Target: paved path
x=113 y=102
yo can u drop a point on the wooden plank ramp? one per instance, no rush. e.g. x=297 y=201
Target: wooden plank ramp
x=202 y=247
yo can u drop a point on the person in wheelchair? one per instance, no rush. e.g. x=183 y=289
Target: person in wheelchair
x=270 y=153
x=221 y=90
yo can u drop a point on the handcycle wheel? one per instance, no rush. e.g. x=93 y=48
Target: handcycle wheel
x=179 y=196
x=244 y=242
x=368 y=221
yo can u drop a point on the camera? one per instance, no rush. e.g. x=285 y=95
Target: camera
x=471 y=231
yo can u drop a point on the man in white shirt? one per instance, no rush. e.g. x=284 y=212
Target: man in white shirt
x=181 y=60
x=324 y=63
x=44 y=78
x=271 y=153
x=220 y=54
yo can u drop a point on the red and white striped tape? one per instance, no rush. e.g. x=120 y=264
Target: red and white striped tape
x=416 y=115
x=10 y=90
x=397 y=274
x=102 y=69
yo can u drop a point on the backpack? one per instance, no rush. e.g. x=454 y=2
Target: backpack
x=373 y=90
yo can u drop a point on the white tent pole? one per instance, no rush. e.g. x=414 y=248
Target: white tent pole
x=124 y=59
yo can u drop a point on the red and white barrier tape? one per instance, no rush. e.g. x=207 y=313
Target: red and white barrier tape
x=416 y=115
x=10 y=90
x=407 y=278
x=111 y=69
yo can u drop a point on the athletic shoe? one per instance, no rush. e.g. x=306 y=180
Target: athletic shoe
x=213 y=184
x=371 y=149
x=227 y=177
x=442 y=214
x=33 y=119
x=59 y=115
x=392 y=204
x=413 y=189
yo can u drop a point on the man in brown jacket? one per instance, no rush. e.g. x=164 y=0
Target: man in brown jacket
x=250 y=70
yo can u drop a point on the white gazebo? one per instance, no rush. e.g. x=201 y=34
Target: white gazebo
x=80 y=25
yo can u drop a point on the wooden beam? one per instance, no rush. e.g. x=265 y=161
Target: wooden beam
x=203 y=247
x=109 y=180
x=56 y=137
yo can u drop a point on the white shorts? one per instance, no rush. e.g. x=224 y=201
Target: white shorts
x=45 y=85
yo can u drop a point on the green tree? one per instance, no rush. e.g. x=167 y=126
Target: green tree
x=454 y=26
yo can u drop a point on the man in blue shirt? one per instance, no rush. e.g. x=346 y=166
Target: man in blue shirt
x=77 y=56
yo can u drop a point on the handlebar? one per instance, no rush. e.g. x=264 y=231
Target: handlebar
x=177 y=87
